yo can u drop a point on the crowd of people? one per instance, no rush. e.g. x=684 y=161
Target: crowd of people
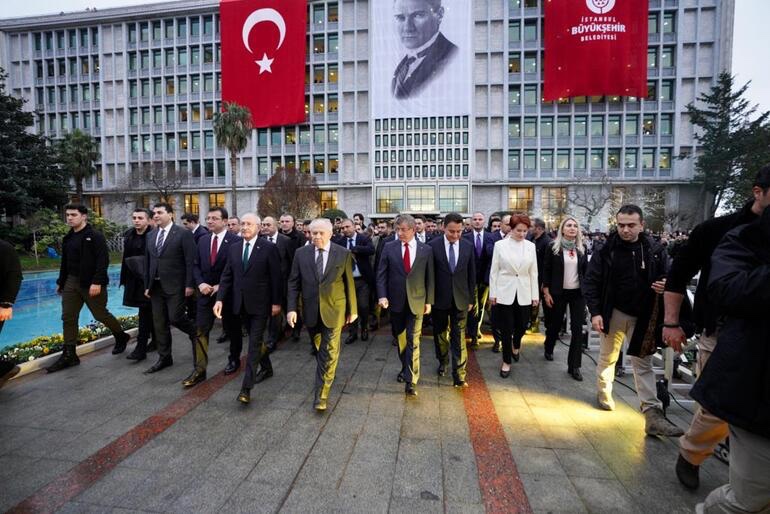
x=266 y=278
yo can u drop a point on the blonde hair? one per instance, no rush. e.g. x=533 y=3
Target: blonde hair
x=557 y=243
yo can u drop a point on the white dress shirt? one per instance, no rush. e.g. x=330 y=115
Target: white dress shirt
x=252 y=242
x=457 y=249
x=165 y=230
x=412 y=250
x=325 y=255
x=356 y=271
x=218 y=238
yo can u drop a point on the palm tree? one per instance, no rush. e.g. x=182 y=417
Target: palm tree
x=76 y=154
x=232 y=128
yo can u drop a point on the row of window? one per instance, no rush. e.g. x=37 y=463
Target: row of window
x=600 y=125
x=527 y=29
x=322 y=43
x=527 y=62
x=71 y=121
x=433 y=123
x=68 y=94
x=600 y=159
x=170 y=28
x=390 y=199
x=67 y=68
x=531 y=94
x=432 y=155
x=85 y=36
x=424 y=139
x=179 y=85
x=327 y=200
x=424 y=171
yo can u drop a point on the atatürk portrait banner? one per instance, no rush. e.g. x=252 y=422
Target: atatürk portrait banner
x=421 y=58
x=595 y=47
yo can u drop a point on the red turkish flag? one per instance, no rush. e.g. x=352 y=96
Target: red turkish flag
x=595 y=47
x=263 y=58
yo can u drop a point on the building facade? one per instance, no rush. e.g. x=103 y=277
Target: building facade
x=146 y=81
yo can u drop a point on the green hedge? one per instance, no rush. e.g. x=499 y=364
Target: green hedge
x=46 y=345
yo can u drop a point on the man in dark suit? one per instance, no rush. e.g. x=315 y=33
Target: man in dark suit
x=210 y=260
x=405 y=285
x=286 y=251
x=385 y=235
x=191 y=222
x=505 y=228
x=10 y=282
x=362 y=248
x=542 y=240
x=421 y=232
x=323 y=274
x=290 y=228
x=252 y=280
x=168 y=280
x=483 y=245
x=455 y=274
x=427 y=50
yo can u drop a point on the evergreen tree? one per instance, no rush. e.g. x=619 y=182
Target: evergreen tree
x=76 y=154
x=29 y=178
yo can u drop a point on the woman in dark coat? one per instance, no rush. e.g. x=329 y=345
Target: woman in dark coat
x=564 y=266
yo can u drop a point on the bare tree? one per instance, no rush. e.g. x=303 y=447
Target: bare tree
x=591 y=197
x=161 y=177
x=289 y=190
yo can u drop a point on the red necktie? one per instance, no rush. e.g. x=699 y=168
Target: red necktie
x=407 y=259
x=214 y=240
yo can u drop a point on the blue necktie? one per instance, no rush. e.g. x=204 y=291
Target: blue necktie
x=350 y=247
x=160 y=241
x=478 y=244
x=246 y=255
x=452 y=258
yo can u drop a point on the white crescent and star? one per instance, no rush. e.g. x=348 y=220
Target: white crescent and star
x=259 y=16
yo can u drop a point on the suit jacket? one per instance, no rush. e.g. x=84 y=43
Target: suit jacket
x=10 y=273
x=94 y=258
x=436 y=57
x=199 y=232
x=404 y=291
x=485 y=260
x=256 y=287
x=362 y=252
x=454 y=290
x=132 y=268
x=332 y=296
x=203 y=271
x=173 y=265
x=428 y=237
x=285 y=252
x=378 y=249
x=553 y=270
x=511 y=277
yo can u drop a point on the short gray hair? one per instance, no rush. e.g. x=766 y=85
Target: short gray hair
x=323 y=224
x=257 y=219
x=405 y=219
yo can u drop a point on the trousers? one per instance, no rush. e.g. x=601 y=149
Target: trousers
x=749 y=487
x=622 y=327
x=72 y=299
x=407 y=329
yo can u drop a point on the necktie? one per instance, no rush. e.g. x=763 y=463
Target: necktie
x=350 y=247
x=246 y=254
x=272 y=239
x=407 y=259
x=213 y=257
x=478 y=244
x=161 y=240
x=319 y=263
x=452 y=258
x=400 y=76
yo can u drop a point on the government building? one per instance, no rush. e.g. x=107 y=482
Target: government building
x=146 y=80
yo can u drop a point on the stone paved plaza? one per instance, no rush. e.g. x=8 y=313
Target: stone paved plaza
x=103 y=437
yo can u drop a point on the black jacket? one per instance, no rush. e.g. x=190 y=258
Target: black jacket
x=258 y=286
x=10 y=273
x=553 y=270
x=435 y=59
x=298 y=240
x=453 y=290
x=94 y=259
x=599 y=292
x=735 y=385
x=695 y=256
x=132 y=268
x=362 y=252
x=542 y=245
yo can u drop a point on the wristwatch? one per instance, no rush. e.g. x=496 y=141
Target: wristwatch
x=6 y=305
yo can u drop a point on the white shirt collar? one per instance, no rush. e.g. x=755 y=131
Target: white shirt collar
x=167 y=227
x=416 y=51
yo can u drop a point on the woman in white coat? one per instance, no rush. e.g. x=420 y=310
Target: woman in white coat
x=513 y=287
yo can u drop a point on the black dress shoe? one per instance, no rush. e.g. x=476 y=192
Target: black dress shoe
x=262 y=375
x=244 y=396
x=152 y=346
x=313 y=351
x=441 y=370
x=474 y=343
x=196 y=377
x=548 y=356
x=320 y=405
x=136 y=355
x=505 y=374
x=688 y=474
x=162 y=363
x=352 y=338
x=496 y=347
x=232 y=367
x=400 y=378
x=410 y=390
x=364 y=334
x=121 y=340
x=295 y=335
x=515 y=357
x=576 y=374
x=270 y=345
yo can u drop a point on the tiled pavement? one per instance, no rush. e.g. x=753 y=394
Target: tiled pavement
x=374 y=451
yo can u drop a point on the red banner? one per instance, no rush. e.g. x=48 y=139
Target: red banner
x=595 y=47
x=263 y=58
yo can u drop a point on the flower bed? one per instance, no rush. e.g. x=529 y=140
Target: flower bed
x=46 y=345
